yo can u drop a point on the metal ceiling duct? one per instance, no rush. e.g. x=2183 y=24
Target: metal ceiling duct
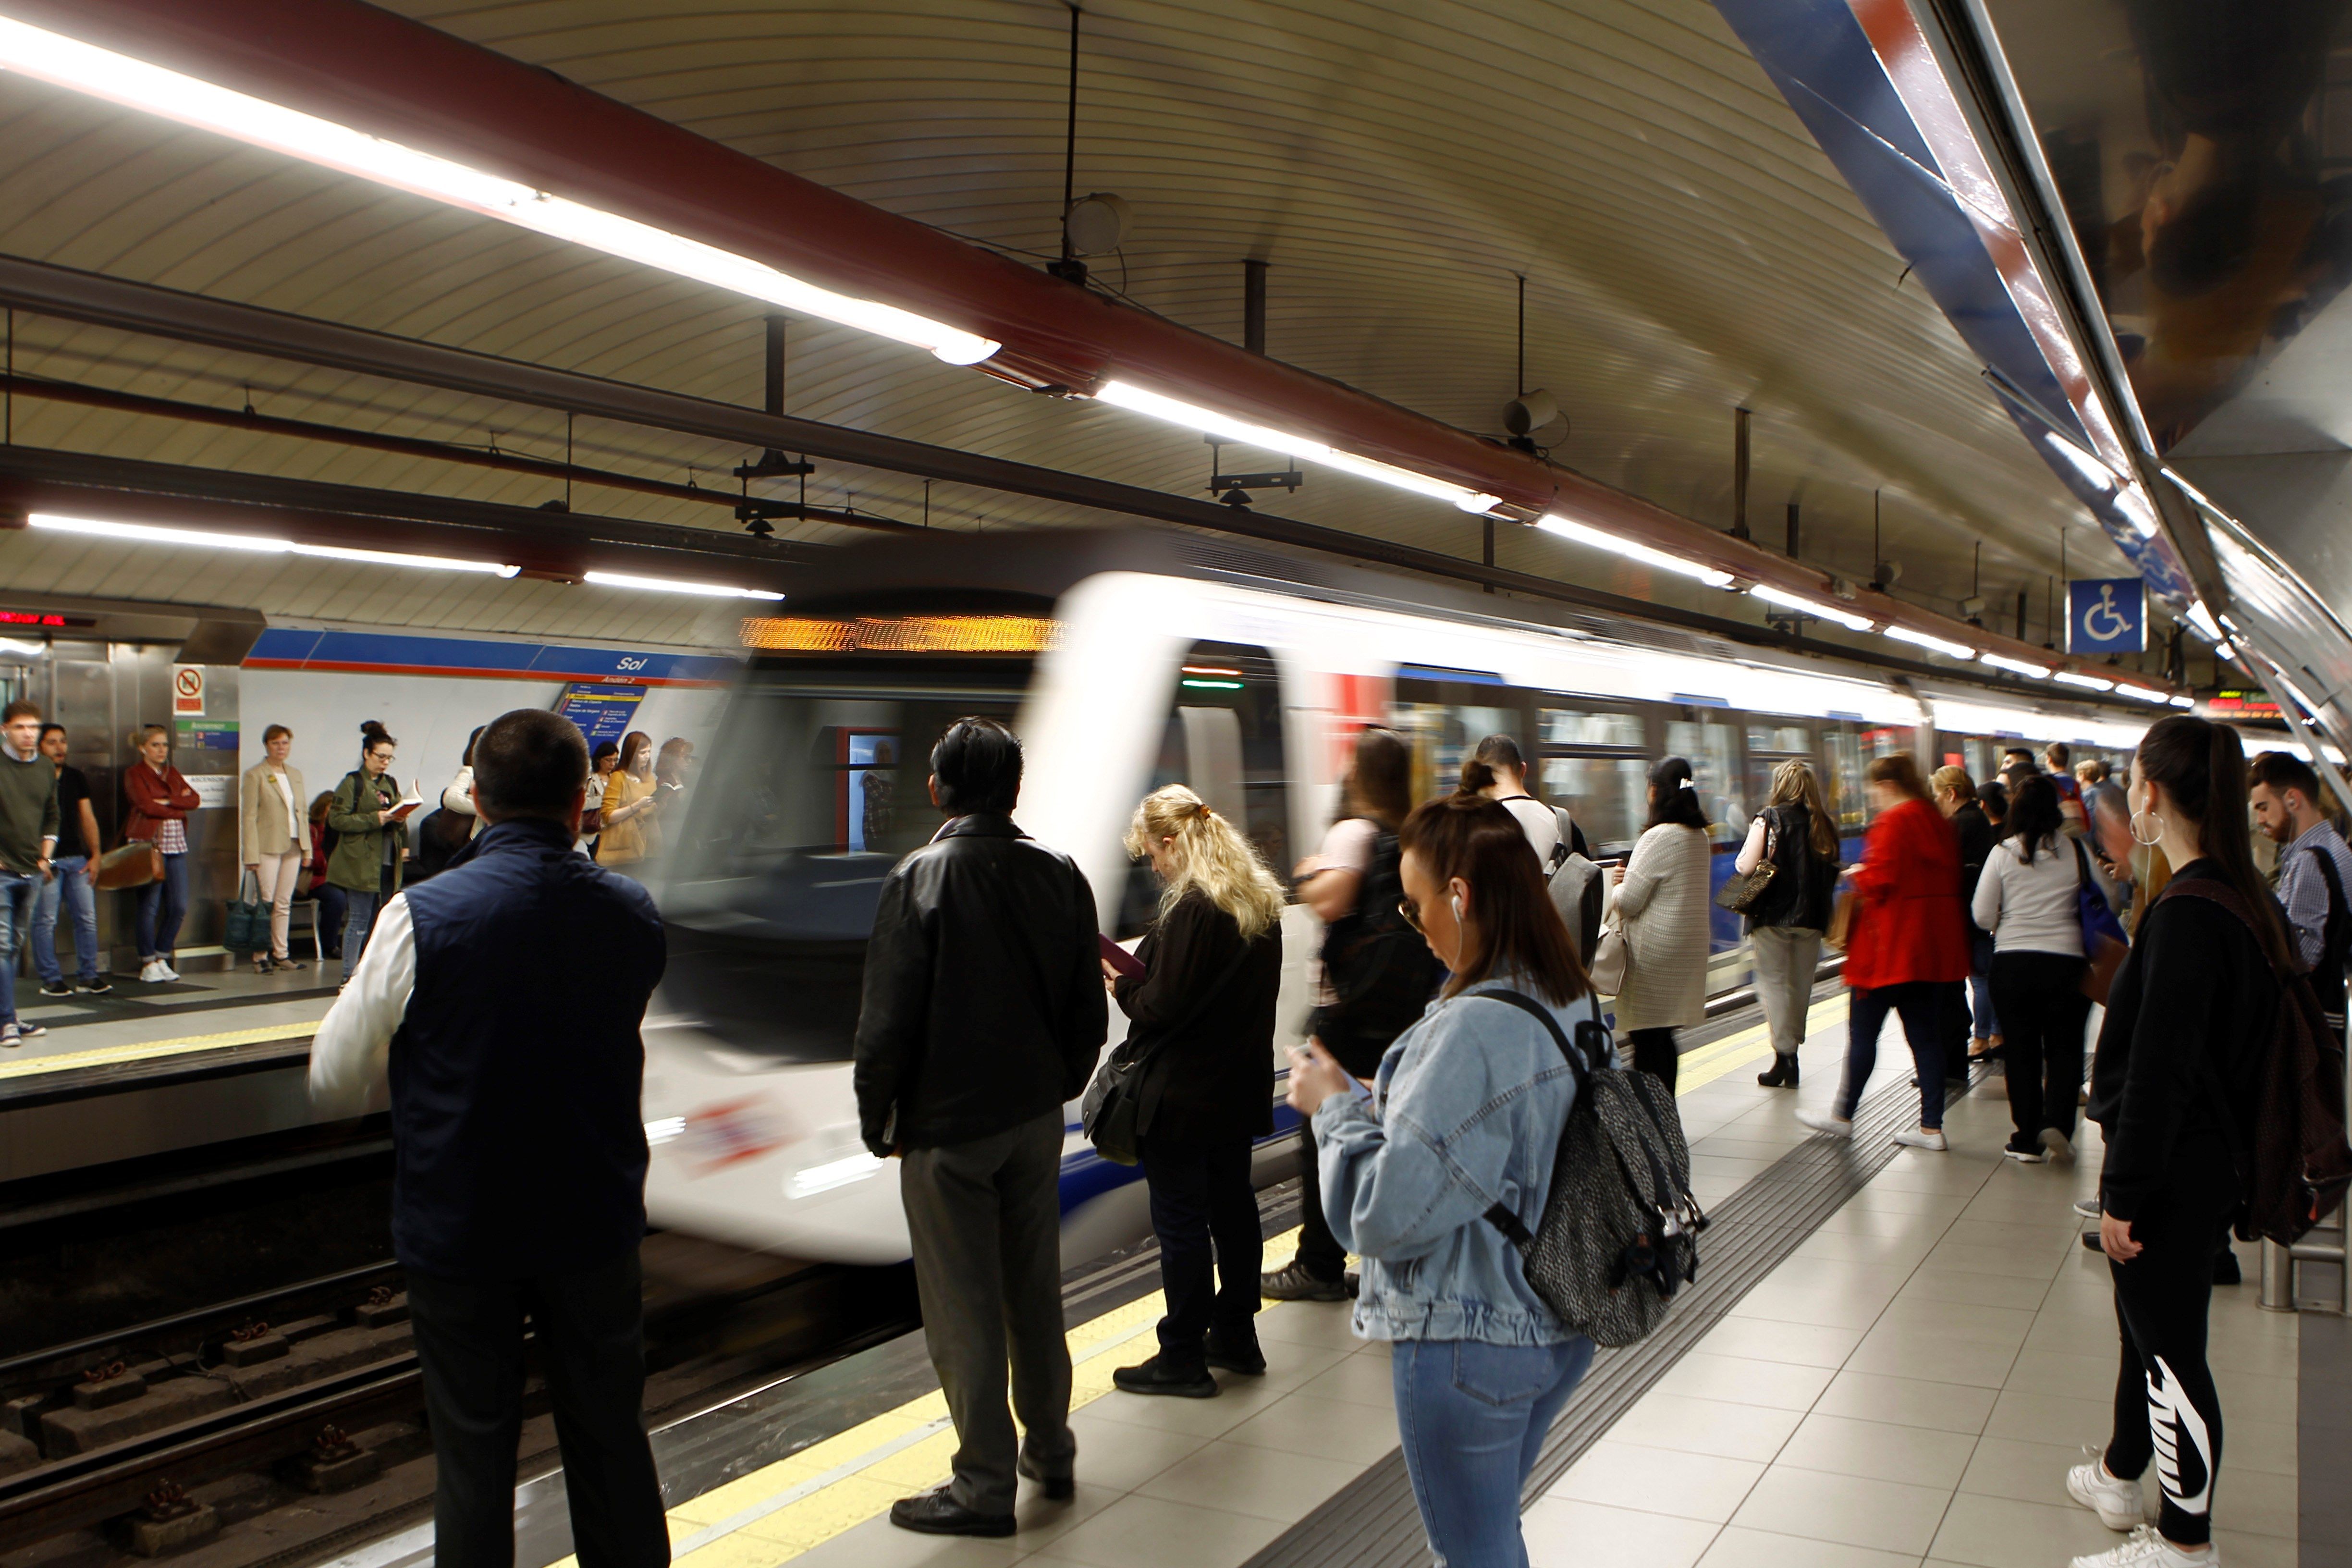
x=371 y=71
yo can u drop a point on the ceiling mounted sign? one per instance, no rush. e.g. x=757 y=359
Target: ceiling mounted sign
x=2106 y=614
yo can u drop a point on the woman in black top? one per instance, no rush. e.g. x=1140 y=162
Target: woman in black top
x=1785 y=924
x=2172 y=1083
x=1203 y=1009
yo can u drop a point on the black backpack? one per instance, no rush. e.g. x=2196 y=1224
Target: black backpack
x=2336 y=946
x=1380 y=969
x=1619 y=1234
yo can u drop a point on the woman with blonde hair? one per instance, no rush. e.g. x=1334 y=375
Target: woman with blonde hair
x=1201 y=1017
x=1795 y=833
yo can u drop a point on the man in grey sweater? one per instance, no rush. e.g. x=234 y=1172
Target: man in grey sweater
x=28 y=833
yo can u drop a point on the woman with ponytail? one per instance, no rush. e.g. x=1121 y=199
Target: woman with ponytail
x=1203 y=1008
x=2172 y=1087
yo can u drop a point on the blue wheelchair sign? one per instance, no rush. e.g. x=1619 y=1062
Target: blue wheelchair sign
x=2106 y=614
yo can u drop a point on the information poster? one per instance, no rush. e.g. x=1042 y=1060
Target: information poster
x=603 y=712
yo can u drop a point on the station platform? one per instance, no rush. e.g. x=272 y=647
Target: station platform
x=1891 y=1358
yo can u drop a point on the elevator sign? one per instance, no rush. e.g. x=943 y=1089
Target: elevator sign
x=2106 y=614
x=188 y=690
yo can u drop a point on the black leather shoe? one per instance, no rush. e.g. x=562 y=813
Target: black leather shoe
x=936 y=1513
x=1059 y=1488
x=1156 y=1376
x=1782 y=1076
x=1246 y=1360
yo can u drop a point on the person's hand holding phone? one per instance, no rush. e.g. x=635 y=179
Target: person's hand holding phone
x=1315 y=1078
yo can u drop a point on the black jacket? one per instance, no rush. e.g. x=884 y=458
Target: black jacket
x=1211 y=1073
x=983 y=997
x=1978 y=837
x=2191 y=1008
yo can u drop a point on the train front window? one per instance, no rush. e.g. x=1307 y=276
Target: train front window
x=816 y=787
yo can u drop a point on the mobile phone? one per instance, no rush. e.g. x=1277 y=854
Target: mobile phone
x=1118 y=958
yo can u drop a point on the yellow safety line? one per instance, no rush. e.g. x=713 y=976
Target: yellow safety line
x=107 y=1055
x=783 y=1509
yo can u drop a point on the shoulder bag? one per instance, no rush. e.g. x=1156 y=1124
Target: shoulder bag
x=2104 y=948
x=1742 y=889
x=248 y=918
x=1112 y=1111
x=133 y=865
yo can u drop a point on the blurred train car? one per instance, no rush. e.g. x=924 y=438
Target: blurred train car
x=1127 y=661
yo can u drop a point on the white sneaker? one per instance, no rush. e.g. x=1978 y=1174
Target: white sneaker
x=2057 y=1143
x=2119 y=1503
x=1822 y=1122
x=2147 y=1548
x=166 y=972
x=151 y=972
x=2087 y=1207
x=1921 y=1137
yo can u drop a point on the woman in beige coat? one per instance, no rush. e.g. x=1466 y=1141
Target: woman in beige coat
x=1662 y=905
x=275 y=836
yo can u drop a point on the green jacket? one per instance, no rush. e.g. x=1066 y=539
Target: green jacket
x=357 y=861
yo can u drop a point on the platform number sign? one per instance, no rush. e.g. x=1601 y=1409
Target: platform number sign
x=188 y=690
x=2106 y=614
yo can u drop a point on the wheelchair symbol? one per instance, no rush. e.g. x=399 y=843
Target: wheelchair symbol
x=2116 y=621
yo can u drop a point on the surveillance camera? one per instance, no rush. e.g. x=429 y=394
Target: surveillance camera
x=1972 y=606
x=1530 y=412
x=1096 y=224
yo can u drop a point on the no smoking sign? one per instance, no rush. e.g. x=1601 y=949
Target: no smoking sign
x=188 y=690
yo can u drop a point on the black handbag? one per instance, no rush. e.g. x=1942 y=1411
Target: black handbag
x=1741 y=890
x=1112 y=1111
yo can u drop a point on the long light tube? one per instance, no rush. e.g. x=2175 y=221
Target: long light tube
x=1921 y=639
x=2087 y=682
x=206 y=539
x=2142 y=693
x=1226 y=427
x=136 y=84
x=1798 y=602
x=2016 y=666
x=2182 y=701
x=672 y=586
x=1553 y=523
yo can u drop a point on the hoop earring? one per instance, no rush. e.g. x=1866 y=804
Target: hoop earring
x=2148 y=843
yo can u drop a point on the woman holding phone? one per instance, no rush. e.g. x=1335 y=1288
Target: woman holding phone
x=1464 y=1114
x=1203 y=1009
x=371 y=831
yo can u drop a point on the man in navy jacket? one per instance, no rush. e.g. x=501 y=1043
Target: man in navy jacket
x=499 y=1004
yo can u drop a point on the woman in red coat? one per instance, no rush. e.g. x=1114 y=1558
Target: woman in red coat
x=160 y=799
x=1908 y=940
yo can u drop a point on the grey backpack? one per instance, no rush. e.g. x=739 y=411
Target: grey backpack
x=1619 y=1234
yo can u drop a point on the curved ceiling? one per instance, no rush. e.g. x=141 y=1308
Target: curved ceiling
x=1687 y=250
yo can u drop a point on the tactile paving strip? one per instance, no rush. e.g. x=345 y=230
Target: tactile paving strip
x=1372 y=1522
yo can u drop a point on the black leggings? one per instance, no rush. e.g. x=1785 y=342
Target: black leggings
x=2039 y=999
x=2166 y=1407
x=1654 y=1052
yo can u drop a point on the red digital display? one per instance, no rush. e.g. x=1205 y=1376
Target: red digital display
x=31 y=618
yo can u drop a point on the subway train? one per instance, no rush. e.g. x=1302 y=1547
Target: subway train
x=1127 y=661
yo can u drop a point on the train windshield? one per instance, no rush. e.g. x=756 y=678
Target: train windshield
x=816 y=787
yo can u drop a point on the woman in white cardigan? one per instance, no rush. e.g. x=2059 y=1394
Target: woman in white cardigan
x=275 y=835
x=1663 y=905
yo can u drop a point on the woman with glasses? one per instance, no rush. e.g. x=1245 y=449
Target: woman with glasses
x=1465 y=1113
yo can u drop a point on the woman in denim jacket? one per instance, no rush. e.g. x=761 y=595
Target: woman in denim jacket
x=1465 y=1113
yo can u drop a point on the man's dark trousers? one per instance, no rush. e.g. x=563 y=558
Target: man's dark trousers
x=469 y=1344
x=986 y=1219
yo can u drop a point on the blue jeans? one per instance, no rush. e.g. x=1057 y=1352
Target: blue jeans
x=17 y=895
x=161 y=907
x=327 y=917
x=359 y=914
x=1980 y=985
x=70 y=885
x=1915 y=1002
x=1471 y=1419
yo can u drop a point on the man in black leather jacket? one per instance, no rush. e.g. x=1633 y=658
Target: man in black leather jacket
x=984 y=1012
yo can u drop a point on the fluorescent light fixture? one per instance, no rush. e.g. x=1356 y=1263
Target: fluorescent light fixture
x=2224 y=650
x=2087 y=682
x=672 y=586
x=1798 y=602
x=1921 y=639
x=206 y=539
x=136 y=84
x=2143 y=693
x=1553 y=523
x=2016 y=666
x=2182 y=701
x=1226 y=427
x=810 y=1179
x=22 y=649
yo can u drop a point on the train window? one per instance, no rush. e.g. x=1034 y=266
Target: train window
x=1443 y=734
x=1769 y=745
x=1848 y=798
x=1711 y=748
x=1224 y=741
x=1608 y=796
x=1566 y=727
x=1788 y=739
x=816 y=788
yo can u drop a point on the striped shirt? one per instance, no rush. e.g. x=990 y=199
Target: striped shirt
x=2303 y=891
